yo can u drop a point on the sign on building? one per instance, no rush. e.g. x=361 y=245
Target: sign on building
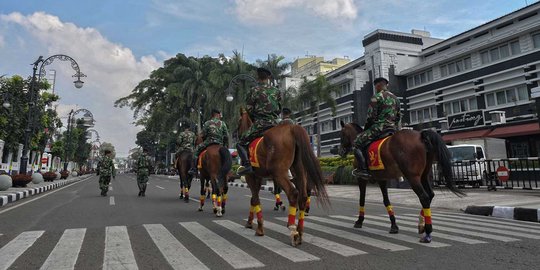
x=466 y=120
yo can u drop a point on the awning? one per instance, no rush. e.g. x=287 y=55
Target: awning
x=466 y=135
x=518 y=130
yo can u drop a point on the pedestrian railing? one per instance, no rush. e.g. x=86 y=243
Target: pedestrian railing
x=523 y=173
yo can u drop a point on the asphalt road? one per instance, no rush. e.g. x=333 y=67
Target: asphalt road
x=74 y=227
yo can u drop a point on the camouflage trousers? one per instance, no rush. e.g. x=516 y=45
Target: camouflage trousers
x=200 y=148
x=104 y=182
x=255 y=131
x=365 y=138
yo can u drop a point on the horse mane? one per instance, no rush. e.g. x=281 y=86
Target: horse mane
x=357 y=127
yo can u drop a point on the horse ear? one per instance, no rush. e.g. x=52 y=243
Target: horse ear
x=342 y=124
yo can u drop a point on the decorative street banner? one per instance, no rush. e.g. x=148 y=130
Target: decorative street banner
x=466 y=120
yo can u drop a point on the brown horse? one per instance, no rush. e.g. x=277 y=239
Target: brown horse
x=216 y=164
x=182 y=164
x=284 y=147
x=409 y=154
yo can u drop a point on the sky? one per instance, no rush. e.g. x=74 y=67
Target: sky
x=117 y=43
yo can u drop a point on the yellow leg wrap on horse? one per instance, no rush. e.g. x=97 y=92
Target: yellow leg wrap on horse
x=390 y=210
x=292 y=215
x=427 y=215
x=362 y=211
x=219 y=201
x=258 y=210
x=301 y=215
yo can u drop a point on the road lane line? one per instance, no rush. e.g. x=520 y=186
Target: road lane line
x=262 y=198
x=65 y=253
x=236 y=257
x=118 y=252
x=42 y=196
x=489 y=220
x=110 y=188
x=413 y=229
x=437 y=227
x=354 y=237
x=278 y=247
x=332 y=246
x=401 y=237
x=176 y=254
x=486 y=224
x=160 y=187
x=111 y=200
x=16 y=247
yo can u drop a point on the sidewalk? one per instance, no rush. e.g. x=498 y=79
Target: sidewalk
x=15 y=194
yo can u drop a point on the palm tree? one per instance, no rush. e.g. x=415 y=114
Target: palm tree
x=314 y=93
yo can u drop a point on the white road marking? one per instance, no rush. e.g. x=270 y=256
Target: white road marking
x=111 y=200
x=489 y=220
x=462 y=231
x=401 y=237
x=118 y=252
x=65 y=253
x=278 y=247
x=486 y=224
x=236 y=257
x=160 y=187
x=262 y=198
x=42 y=196
x=413 y=229
x=110 y=188
x=16 y=247
x=332 y=246
x=176 y=254
x=355 y=237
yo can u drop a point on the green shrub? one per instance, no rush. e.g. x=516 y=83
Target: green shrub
x=344 y=176
x=336 y=161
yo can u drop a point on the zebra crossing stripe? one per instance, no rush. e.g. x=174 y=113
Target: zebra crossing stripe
x=278 y=247
x=176 y=254
x=65 y=253
x=236 y=257
x=486 y=224
x=355 y=237
x=16 y=247
x=401 y=237
x=461 y=230
x=332 y=246
x=486 y=229
x=489 y=220
x=118 y=252
x=414 y=229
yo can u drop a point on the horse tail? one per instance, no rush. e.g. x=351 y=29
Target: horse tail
x=437 y=148
x=305 y=157
x=226 y=165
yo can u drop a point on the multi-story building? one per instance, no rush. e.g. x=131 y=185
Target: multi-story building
x=475 y=84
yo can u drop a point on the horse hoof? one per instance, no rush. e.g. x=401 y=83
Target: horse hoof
x=283 y=208
x=249 y=225
x=358 y=224
x=295 y=239
x=200 y=209
x=259 y=232
x=425 y=239
x=394 y=230
x=276 y=208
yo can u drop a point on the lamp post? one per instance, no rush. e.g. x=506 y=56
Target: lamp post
x=88 y=122
x=236 y=81
x=40 y=64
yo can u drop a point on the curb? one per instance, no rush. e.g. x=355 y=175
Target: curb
x=17 y=195
x=242 y=185
x=516 y=213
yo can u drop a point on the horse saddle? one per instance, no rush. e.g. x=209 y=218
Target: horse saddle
x=253 y=146
x=375 y=162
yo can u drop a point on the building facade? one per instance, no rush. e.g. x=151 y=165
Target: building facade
x=480 y=83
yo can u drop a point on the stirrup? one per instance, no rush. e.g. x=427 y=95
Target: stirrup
x=242 y=170
x=360 y=173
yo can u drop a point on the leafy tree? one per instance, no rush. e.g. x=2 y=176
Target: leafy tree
x=107 y=146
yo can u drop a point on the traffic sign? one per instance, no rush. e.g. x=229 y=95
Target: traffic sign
x=503 y=173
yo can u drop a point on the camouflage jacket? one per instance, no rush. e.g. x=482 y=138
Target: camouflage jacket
x=264 y=104
x=142 y=162
x=106 y=167
x=384 y=111
x=186 y=141
x=215 y=131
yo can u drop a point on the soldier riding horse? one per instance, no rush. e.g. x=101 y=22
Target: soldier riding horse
x=392 y=155
x=183 y=162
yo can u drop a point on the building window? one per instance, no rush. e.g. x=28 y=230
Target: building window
x=420 y=78
x=344 y=89
x=326 y=126
x=456 y=66
x=500 y=51
x=459 y=106
x=507 y=96
x=346 y=119
x=423 y=115
x=536 y=40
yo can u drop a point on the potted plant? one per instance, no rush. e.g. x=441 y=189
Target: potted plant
x=64 y=174
x=21 y=180
x=49 y=176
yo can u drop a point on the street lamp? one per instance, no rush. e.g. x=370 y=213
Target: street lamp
x=236 y=81
x=33 y=92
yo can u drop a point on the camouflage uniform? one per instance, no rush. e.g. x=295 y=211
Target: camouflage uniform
x=383 y=114
x=185 y=142
x=143 y=166
x=214 y=132
x=106 y=171
x=264 y=108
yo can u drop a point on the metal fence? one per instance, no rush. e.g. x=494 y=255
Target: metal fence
x=523 y=173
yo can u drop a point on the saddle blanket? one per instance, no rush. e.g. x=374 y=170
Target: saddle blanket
x=201 y=156
x=375 y=162
x=253 y=146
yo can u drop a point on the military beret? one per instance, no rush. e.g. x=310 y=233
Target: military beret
x=264 y=70
x=215 y=111
x=380 y=79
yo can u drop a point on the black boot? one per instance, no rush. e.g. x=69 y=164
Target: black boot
x=362 y=170
x=193 y=170
x=246 y=164
x=144 y=190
